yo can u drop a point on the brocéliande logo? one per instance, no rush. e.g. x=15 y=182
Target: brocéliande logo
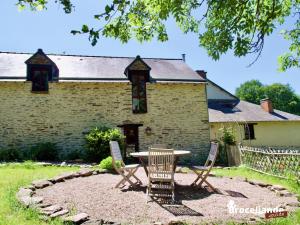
x=234 y=209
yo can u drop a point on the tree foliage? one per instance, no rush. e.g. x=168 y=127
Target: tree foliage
x=97 y=142
x=238 y=25
x=282 y=96
x=251 y=91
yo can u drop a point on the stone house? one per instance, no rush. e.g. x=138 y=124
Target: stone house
x=253 y=125
x=58 y=98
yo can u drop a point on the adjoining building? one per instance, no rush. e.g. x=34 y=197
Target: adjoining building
x=253 y=125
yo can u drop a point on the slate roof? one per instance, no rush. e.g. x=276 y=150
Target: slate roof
x=242 y=111
x=98 y=68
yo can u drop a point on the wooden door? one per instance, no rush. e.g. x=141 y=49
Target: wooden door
x=131 y=132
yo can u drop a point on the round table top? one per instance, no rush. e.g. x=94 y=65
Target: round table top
x=146 y=153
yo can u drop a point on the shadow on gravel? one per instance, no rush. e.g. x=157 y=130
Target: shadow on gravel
x=180 y=210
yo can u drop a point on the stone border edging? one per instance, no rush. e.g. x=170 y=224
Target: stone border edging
x=26 y=196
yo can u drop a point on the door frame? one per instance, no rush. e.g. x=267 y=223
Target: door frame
x=136 y=126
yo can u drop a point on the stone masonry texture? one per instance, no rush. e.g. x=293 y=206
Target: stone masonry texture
x=177 y=114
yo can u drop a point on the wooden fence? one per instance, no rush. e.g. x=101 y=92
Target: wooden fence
x=284 y=163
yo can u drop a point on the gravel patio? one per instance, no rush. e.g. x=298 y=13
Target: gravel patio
x=96 y=196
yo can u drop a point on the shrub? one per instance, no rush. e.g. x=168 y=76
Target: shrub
x=228 y=137
x=107 y=163
x=73 y=155
x=10 y=155
x=97 y=141
x=42 y=151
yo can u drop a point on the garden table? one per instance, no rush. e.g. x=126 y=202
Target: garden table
x=143 y=156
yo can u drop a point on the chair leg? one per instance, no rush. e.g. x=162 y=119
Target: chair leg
x=137 y=179
x=125 y=178
x=120 y=182
x=203 y=180
x=123 y=181
x=173 y=193
x=199 y=176
x=131 y=174
x=149 y=192
x=212 y=187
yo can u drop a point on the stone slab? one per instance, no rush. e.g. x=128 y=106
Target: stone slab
x=78 y=218
x=59 y=213
x=41 y=184
x=51 y=209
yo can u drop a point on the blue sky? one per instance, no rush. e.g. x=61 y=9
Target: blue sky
x=27 y=31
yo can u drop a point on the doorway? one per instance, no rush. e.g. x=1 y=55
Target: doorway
x=131 y=133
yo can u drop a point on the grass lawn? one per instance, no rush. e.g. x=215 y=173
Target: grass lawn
x=14 y=176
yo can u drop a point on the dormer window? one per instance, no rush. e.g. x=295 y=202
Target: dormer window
x=40 y=70
x=138 y=72
x=40 y=77
x=139 y=97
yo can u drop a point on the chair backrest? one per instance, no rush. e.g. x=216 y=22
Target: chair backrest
x=161 y=161
x=115 y=152
x=214 y=146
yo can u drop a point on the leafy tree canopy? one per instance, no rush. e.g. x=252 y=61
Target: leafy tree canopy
x=282 y=96
x=240 y=25
x=251 y=91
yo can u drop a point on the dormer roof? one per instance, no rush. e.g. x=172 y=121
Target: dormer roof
x=39 y=58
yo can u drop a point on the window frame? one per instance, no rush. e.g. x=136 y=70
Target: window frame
x=42 y=69
x=249 y=133
x=138 y=79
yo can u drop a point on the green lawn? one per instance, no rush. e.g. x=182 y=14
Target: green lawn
x=14 y=176
x=11 y=178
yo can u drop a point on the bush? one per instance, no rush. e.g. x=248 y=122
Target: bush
x=8 y=155
x=107 y=163
x=42 y=151
x=97 y=141
x=228 y=137
x=73 y=155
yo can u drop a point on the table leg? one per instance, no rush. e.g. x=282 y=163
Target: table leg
x=141 y=159
x=175 y=164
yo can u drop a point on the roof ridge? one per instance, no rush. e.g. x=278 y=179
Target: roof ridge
x=275 y=110
x=92 y=56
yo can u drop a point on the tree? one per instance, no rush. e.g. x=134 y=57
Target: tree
x=251 y=91
x=240 y=25
x=282 y=96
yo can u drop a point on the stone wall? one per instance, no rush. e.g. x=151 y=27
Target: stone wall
x=177 y=114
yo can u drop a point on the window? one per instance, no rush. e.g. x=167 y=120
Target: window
x=249 y=131
x=39 y=78
x=40 y=70
x=139 y=98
